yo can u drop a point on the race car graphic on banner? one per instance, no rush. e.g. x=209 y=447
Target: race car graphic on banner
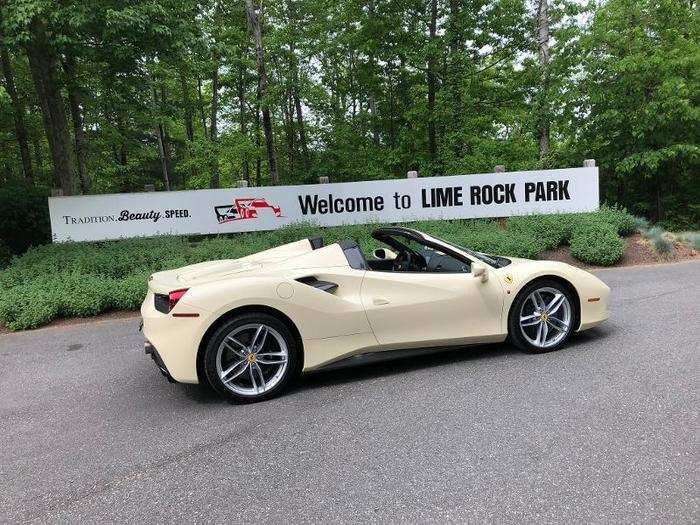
x=246 y=209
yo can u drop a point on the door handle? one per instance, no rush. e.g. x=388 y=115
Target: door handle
x=379 y=301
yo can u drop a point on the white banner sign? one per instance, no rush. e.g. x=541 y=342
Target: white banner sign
x=98 y=217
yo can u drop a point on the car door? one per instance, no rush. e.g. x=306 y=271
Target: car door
x=412 y=309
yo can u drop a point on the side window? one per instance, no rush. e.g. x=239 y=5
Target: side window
x=438 y=262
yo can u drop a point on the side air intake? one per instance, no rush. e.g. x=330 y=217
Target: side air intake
x=324 y=286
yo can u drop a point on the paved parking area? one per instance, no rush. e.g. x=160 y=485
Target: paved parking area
x=605 y=430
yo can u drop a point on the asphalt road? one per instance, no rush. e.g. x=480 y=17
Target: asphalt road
x=605 y=430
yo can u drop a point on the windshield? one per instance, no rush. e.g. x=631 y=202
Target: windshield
x=492 y=260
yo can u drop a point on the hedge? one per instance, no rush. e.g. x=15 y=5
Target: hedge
x=596 y=243
x=84 y=279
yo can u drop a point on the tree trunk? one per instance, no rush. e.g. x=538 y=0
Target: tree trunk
x=44 y=66
x=38 y=154
x=302 y=131
x=74 y=100
x=242 y=116
x=294 y=66
x=46 y=121
x=392 y=112
x=187 y=105
x=288 y=118
x=297 y=108
x=543 y=50
x=121 y=153
x=258 y=161
x=659 y=201
x=454 y=76
x=372 y=102
x=189 y=119
x=254 y=15
x=162 y=153
x=432 y=140
x=167 y=153
x=162 y=149
x=122 y=158
x=18 y=113
x=202 y=116
x=213 y=132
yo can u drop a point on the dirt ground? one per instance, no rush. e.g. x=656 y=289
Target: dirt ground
x=639 y=251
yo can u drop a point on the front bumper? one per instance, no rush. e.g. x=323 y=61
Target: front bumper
x=595 y=306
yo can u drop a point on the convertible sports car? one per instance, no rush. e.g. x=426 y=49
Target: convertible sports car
x=249 y=326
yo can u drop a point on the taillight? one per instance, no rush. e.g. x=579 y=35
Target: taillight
x=175 y=296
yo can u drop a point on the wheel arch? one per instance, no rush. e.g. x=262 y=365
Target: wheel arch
x=560 y=280
x=246 y=309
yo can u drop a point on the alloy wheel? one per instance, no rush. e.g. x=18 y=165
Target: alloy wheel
x=252 y=359
x=545 y=317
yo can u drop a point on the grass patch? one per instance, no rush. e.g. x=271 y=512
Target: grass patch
x=84 y=279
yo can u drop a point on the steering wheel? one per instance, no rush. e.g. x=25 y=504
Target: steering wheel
x=408 y=260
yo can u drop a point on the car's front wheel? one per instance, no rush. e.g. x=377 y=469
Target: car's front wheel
x=542 y=317
x=250 y=358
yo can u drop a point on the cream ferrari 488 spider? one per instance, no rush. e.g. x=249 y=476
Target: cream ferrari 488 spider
x=249 y=326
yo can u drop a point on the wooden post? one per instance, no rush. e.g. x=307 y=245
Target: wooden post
x=323 y=179
x=57 y=192
x=412 y=174
x=502 y=221
x=149 y=187
x=589 y=163
x=241 y=183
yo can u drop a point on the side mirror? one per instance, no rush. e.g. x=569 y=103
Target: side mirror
x=479 y=271
x=384 y=254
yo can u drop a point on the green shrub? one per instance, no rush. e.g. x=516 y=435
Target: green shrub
x=692 y=239
x=128 y=293
x=83 y=295
x=623 y=222
x=81 y=279
x=641 y=224
x=597 y=243
x=29 y=305
x=5 y=256
x=24 y=216
x=663 y=245
x=550 y=230
x=653 y=233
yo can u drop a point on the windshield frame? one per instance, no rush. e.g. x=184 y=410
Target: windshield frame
x=491 y=260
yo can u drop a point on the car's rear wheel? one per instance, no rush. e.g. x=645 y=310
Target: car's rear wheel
x=250 y=358
x=542 y=317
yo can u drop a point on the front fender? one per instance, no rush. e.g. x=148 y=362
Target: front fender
x=588 y=287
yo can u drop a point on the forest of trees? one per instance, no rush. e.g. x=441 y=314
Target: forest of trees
x=112 y=95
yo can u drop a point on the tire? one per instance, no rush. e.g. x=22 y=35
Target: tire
x=241 y=378
x=527 y=323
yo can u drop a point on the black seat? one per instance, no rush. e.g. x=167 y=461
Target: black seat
x=316 y=242
x=354 y=255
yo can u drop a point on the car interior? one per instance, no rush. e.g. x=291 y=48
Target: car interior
x=406 y=252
